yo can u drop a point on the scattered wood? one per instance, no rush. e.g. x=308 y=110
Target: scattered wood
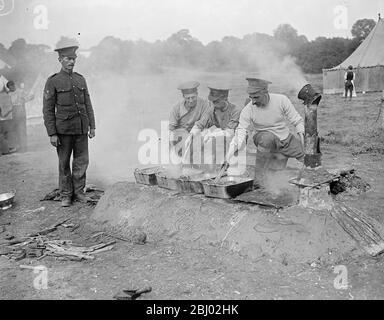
x=359 y=227
x=109 y=248
x=48 y=230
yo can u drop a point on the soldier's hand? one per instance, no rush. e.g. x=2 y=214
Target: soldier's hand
x=224 y=166
x=92 y=133
x=55 y=141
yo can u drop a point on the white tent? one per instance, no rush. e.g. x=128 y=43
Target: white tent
x=367 y=61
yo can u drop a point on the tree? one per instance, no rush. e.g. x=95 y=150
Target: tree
x=288 y=35
x=362 y=28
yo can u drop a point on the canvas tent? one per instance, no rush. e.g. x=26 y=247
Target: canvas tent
x=368 y=63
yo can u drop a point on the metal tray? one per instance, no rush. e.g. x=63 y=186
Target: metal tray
x=6 y=200
x=147 y=175
x=228 y=187
x=166 y=182
x=193 y=184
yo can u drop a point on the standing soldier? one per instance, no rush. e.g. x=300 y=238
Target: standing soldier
x=19 y=114
x=69 y=120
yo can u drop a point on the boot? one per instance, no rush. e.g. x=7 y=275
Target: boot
x=81 y=197
x=66 y=202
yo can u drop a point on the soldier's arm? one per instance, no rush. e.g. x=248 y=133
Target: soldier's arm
x=206 y=114
x=49 y=102
x=174 y=118
x=238 y=141
x=234 y=119
x=89 y=108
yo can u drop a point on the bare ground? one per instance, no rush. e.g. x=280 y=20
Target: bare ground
x=176 y=269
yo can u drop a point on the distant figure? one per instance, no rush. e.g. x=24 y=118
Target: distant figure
x=349 y=82
x=19 y=115
x=70 y=121
x=6 y=123
x=186 y=116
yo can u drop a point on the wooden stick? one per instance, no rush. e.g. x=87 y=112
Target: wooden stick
x=103 y=249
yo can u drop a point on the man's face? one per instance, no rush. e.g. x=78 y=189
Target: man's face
x=190 y=99
x=259 y=99
x=67 y=63
x=220 y=104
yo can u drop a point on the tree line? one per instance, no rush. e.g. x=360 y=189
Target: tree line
x=181 y=49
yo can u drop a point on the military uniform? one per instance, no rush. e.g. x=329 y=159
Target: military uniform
x=68 y=113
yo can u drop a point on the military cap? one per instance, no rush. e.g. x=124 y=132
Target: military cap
x=216 y=93
x=67 y=49
x=256 y=85
x=189 y=87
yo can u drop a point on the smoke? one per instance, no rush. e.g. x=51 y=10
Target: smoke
x=126 y=103
x=271 y=62
x=124 y=106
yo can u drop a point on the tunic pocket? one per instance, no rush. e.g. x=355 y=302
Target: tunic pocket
x=80 y=94
x=64 y=96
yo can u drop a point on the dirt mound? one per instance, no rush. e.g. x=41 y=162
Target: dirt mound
x=294 y=235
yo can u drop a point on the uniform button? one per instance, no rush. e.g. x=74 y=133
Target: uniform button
x=78 y=111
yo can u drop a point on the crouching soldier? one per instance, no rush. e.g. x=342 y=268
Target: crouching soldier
x=187 y=116
x=267 y=114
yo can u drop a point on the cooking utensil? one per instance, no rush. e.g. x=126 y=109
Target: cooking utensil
x=6 y=200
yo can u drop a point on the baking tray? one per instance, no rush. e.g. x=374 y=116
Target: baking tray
x=6 y=200
x=228 y=187
x=193 y=184
x=147 y=175
x=166 y=182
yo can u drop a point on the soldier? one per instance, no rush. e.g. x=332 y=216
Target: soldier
x=69 y=120
x=19 y=114
x=224 y=115
x=267 y=114
x=220 y=123
x=186 y=118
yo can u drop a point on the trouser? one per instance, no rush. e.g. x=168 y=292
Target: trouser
x=20 y=131
x=273 y=153
x=72 y=183
x=348 y=88
x=20 y=127
x=4 y=147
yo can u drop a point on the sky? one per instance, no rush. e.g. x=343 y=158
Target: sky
x=89 y=21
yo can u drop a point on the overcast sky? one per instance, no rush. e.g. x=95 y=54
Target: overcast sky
x=150 y=20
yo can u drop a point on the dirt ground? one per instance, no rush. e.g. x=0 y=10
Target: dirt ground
x=182 y=270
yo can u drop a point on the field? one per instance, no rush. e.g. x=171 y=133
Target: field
x=174 y=269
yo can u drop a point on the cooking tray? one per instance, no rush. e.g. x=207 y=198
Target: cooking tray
x=146 y=176
x=6 y=200
x=166 y=182
x=193 y=184
x=227 y=187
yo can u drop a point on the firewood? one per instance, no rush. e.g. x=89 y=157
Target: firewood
x=359 y=227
